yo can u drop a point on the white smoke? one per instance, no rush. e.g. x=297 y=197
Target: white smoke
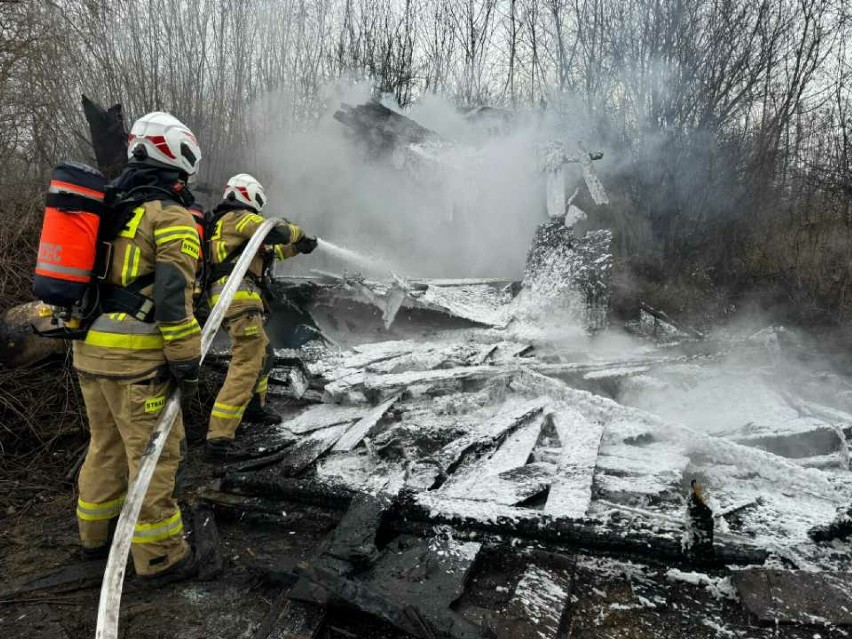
x=467 y=208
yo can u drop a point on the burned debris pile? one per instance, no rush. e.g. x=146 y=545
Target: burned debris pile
x=443 y=442
x=448 y=422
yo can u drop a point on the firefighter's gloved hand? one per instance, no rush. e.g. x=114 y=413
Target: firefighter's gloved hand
x=186 y=376
x=306 y=244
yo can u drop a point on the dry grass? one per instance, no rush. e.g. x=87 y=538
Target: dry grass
x=42 y=425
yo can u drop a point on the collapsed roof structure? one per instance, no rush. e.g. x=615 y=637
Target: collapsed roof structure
x=448 y=416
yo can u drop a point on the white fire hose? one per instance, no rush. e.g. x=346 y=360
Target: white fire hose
x=113 y=583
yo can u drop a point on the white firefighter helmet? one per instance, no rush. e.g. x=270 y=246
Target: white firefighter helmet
x=247 y=190
x=164 y=140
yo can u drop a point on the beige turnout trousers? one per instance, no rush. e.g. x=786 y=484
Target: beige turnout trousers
x=122 y=414
x=245 y=375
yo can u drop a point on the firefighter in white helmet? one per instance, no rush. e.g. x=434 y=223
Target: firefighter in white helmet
x=243 y=395
x=145 y=341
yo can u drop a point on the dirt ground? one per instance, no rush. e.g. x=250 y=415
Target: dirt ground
x=609 y=597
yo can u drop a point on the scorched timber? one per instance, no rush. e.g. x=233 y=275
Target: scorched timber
x=795 y=596
x=410 y=586
x=537 y=607
x=310 y=448
x=510 y=487
x=360 y=429
x=491 y=435
x=571 y=493
x=322 y=416
x=641 y=539
x=505 y=477
x=270 y=483
x=653 y=539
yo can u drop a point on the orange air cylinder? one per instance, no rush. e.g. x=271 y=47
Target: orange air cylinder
x=69 y=234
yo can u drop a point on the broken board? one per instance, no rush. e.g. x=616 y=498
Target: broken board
x=511 y=487
x=322 y=416
x=360 y=429
x=68 y=578
x=504 y=477
x=411 y=586
x=511 y=416
x=795 y=596
x=310 y=448
x=537 y=606
x=571 y=492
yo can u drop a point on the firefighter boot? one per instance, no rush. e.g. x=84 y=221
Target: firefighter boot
x=95 y=553
x=186 y=568
x=221 y=449
x=257 y=413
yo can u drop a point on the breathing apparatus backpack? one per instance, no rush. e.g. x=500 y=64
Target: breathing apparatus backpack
x=71 y=255
x=83 y=215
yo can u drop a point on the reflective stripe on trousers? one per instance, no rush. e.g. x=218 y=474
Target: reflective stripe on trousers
x=247 y=290
x=151 y=533
x=91 y=511
x=228 y=411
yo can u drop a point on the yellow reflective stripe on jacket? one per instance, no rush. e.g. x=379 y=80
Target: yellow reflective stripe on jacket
x=94 y=511
x=136 y=342
x=169 y=230
x=263 y=384
x=130 y=267
x=158 y=530
x=228 y=411
x=171 y=333
x=177 y=235
x=221 y=251
x=129 y=231
x=248 y=219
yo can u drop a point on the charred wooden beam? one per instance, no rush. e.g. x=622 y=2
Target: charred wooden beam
x=412 y=584
x=87 y=574
x=538 y=605
x=271 y=484
x=795 y=596
x=277 y=511
x=109 y=136
x=354 y=539
x=386 y=607
x=654 y=539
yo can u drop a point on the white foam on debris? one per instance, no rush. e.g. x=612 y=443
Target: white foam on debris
x=323 y=415
x=719 y=587
x=675 y=417
x=571 y=492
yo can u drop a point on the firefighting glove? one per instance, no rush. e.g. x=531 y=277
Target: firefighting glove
x=185 y=375
x=306 y=244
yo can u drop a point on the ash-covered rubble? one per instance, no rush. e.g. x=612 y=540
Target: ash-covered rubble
x=474 y=426
x=485 y=431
